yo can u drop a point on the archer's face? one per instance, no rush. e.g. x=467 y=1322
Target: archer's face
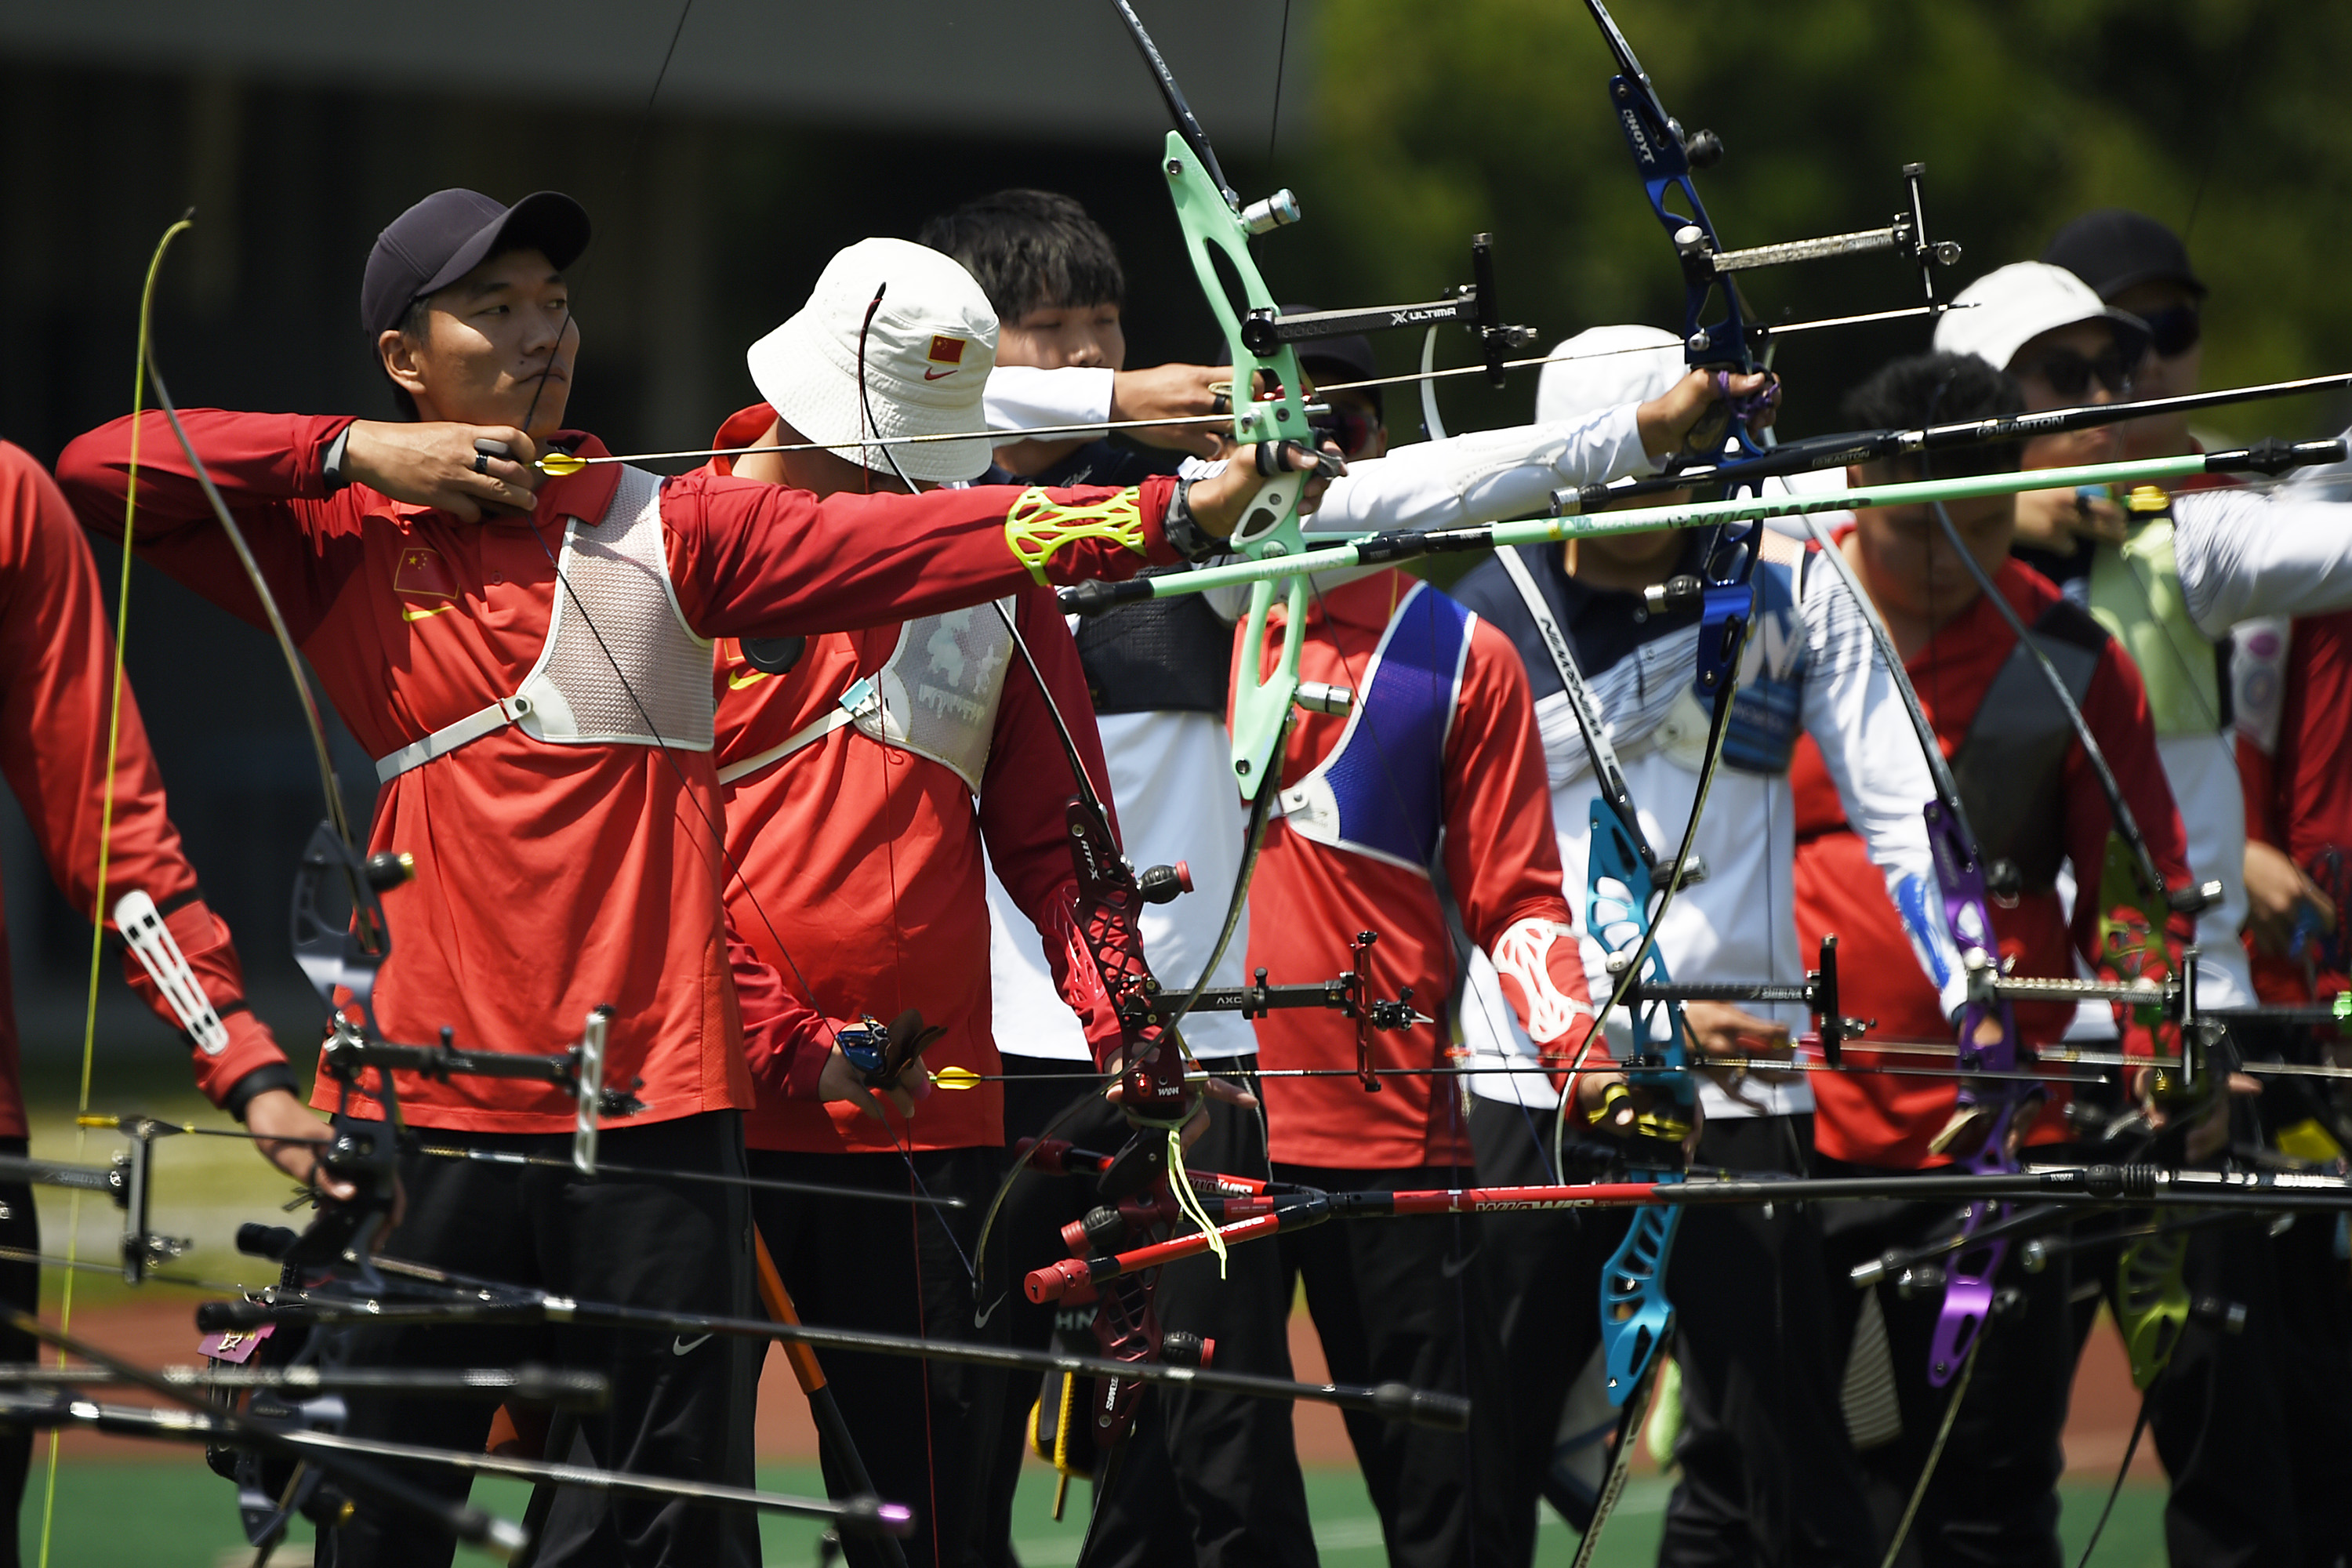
x=1053 y=336
x=1909 y=565
x=2080 y=363
x=2167 y=301
x=498 y=345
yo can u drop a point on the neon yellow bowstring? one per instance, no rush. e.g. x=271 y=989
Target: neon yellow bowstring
x=1179 y=1181
x=1188 y=1202
x=105 y=836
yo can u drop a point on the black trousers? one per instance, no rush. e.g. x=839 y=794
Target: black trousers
x=923 y=1427
x=1405 y=1300
x=1768 y=1475
x=1039 y=1096
x=2215 y=1411
x=1209 y=1478
x=20 y=1286
x=1542 y=1272
x=2312 y=1359
x=1992 y=1502
x=681 y=1406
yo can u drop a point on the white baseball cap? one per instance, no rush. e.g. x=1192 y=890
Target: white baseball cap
x=2011 y=306
x=927 y=351
x=1621 y=365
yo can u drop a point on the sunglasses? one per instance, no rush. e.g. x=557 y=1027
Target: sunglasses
x=2174 y=332
x=1349 y=429
x=2069 y=374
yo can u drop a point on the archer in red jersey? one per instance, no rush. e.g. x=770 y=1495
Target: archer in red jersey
x=57 y=722
x=529 y=658
x=2034 y=802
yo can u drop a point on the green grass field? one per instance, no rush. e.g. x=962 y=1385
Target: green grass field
x=178 y=1515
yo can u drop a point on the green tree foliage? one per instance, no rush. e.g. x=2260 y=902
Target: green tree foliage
x=2224 y=118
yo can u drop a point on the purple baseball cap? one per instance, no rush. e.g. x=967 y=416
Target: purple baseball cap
x=450 y=233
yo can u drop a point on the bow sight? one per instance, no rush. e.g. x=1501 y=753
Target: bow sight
x=128 y=1182
x=1664 y=155
x=1472 y=305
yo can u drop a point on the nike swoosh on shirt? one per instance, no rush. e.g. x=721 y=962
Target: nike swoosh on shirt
x=980 y=1319
x=743 y=679
x=683 y=1346
x=409 y=614
x=1452 y=1267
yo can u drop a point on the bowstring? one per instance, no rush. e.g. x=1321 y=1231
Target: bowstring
x=116 y=683
x=718 y=834
x=1281 y=57
x=868 y=424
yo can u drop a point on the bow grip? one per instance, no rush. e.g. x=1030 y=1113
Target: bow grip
x=1724 y=616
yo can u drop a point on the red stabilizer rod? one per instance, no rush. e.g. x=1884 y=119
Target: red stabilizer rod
x=1058 y=1279
x=1477 y=1200
x=1215 y=1184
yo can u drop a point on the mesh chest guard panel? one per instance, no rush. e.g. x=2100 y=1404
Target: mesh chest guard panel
x=629 y=659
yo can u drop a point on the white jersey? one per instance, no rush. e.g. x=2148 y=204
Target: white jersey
x=1811 y=665
x=1172 y=779
x=1171 y=774
x=2241 y=554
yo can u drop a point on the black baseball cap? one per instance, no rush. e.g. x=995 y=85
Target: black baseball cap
x=2112 y=248
x=450 y=233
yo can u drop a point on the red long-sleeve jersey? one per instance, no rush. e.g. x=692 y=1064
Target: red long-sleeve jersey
x=1309 y=898
x=2298 y=799
x=551 y=879
x=56 y=672
x=1887 y=1119
x=862 y=867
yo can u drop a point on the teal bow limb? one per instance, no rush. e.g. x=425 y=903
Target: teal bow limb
x=1215 y=230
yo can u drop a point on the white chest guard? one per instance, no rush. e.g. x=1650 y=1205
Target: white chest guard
x=936 y=696
x=620 y=665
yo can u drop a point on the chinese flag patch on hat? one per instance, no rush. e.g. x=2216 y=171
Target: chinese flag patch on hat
x=946 y=350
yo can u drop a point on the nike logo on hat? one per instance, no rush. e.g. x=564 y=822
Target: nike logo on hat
x=935 y=374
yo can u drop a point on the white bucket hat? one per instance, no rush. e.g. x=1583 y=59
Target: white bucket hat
x=928 y=350
x=1620 y=366
x=2011 y=306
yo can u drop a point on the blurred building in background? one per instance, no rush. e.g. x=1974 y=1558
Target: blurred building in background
x=781 y=130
